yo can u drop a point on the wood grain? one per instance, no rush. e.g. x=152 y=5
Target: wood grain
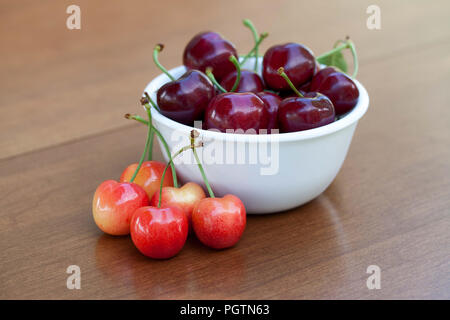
x=64 y=96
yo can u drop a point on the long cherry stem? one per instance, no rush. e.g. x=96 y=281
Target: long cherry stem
x=161 y=138
x=147 y=143
x=195 y=134
x=238 y=75
x=185 y=148
x=262 y=36
x=154 y=105
x=158 y=48
x=165 y=169
x=289 y=82
x=209 y=73
x=347 y=44
x=252 y=28
x=152 y=138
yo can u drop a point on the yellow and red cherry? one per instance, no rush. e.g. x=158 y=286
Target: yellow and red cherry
x=148 y=177
x=185 y=198
x=159 y=233
x=219 y=222
x=114 y=204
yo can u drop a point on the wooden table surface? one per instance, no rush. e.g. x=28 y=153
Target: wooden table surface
x=63 y=96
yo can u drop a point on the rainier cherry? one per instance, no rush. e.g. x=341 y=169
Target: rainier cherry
x=185 y=198
x=297 y=60
x=218 y=222
x=148 y=177
x=337 y=86
x=209 y=49
x=304 y=112
x=159 y=233
x=114 y=204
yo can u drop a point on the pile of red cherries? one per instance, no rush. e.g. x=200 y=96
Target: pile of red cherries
x=293 y=94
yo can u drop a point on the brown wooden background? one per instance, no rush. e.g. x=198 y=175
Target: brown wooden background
x=62 y=97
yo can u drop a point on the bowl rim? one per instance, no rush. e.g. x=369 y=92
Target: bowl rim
x=350 y=118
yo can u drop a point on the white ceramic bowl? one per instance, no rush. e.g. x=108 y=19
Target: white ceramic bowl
x=298 y=168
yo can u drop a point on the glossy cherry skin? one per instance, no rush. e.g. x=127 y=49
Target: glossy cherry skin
x=249 y=82
x=272 y=102
x=298 y=63
x=237 y=111
x=209 y=49
x=306 y=87
x=159 y=233
x=219 y=222
x=338 y=87
x=149 y=176
x=298 y=114
x=114 y=204
x=185 y=100
x=185 y=198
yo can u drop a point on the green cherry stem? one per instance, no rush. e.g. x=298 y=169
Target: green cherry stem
x=195 y=134
x=152 y=133
x=262 y=36
x=347 y=44
x=355 y=58
x=238 y=70
x=151 y=100
x=252 y=28
x=158 y=48
x=150 y=148
x=165 y=169
x=161 y=138
x=289 y=82
x=332 y=51
x=209 y=73
x=147 y=143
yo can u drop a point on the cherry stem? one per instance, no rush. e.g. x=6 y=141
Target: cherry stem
x=289 y=82
x=262 y=36
x=252 y=28
x=355 y=58
x=158 y=48
x=151 y=101
x=347 y=44
x=209 y=73
x=238 y=76
x=165 y=169
x=147 y=143
x=161 y=138
x=195 y=134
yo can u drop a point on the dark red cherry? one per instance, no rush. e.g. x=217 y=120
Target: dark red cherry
x=250 y=82
x=306 y=87
x=272 y=102
x=209 y=49
x=338 y=87
x=185 y=100
x=237 y=111
x=297 y=61
x=303 y=113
